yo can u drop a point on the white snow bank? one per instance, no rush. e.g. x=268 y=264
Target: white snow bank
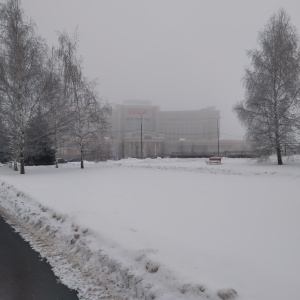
x=164 y=228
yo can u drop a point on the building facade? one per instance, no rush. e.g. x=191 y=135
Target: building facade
x=140 y=129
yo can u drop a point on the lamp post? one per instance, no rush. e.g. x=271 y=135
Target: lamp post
x=218 y=133
x=141 y=114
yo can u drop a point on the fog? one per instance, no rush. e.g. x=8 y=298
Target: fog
x=180 y=55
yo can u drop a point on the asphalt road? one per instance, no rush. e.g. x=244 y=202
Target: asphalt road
x=23 y=275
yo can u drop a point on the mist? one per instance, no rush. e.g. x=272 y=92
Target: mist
x=180 y=55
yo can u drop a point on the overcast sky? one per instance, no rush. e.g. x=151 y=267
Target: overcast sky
x=179 y=54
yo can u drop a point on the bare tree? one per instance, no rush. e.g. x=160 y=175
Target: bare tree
x=150 y=149
x=123 y=152
x=270 y=111
x=136 y=149
x=59 y=114
x=89 y=113
x=22 y=57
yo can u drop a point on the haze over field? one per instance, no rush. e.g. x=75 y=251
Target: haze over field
x=177 y=54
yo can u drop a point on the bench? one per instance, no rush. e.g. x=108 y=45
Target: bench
x=214 y=160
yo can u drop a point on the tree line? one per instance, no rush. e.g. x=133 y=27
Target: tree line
x=45 y=98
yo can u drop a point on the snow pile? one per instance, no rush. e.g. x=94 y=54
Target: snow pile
x=74 y=253
x=163 y=228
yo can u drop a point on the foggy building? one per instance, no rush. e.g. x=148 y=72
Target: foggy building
x=163 y=132
x=190 y=124
x=189 y=130
x=131 y=119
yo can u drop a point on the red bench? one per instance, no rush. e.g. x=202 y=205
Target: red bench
x=214 y=160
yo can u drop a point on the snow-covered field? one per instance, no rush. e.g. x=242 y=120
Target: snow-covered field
x=163 y=228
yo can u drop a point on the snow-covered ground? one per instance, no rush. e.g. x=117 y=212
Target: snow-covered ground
x=163 y=228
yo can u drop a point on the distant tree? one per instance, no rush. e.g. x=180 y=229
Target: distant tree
x=96 y=151
x=270 y=111
x=108 y=148
x=89 y=114
x=38 y=148
x=150 y=149
x=59 y=114
x=136 y=150
x=123 y=152
x=162 y=149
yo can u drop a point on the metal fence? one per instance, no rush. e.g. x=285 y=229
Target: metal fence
x=231 y=154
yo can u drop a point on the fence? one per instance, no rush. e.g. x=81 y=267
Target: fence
x=231 y=154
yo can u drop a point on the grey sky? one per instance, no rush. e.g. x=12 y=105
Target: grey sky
x=186 y=54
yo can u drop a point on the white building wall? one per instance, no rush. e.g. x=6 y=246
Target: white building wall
x=163 y=132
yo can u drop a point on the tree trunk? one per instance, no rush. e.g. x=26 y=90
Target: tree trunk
x=81 y=160
x=15 y=165
x=279 y=156
x=22 y=168
x=278 y=144
x=55 y=143
x=22 y=165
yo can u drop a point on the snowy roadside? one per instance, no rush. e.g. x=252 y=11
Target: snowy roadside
x=153 y=237
x=63 y=244
x=80 y=262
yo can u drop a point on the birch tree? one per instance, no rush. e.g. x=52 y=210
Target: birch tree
x=58 y=108
x=270 y=111
x=89 y=114
x=22 y=54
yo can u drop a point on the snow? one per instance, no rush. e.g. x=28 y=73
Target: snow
x=163 y=228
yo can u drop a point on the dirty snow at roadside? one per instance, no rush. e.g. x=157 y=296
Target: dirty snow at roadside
x=163 y=228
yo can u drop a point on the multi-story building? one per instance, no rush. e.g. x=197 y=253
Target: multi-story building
x=129 y=121
x=141 y=129
x=191 y=125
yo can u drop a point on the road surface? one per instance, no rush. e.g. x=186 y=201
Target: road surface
x=23 y=274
